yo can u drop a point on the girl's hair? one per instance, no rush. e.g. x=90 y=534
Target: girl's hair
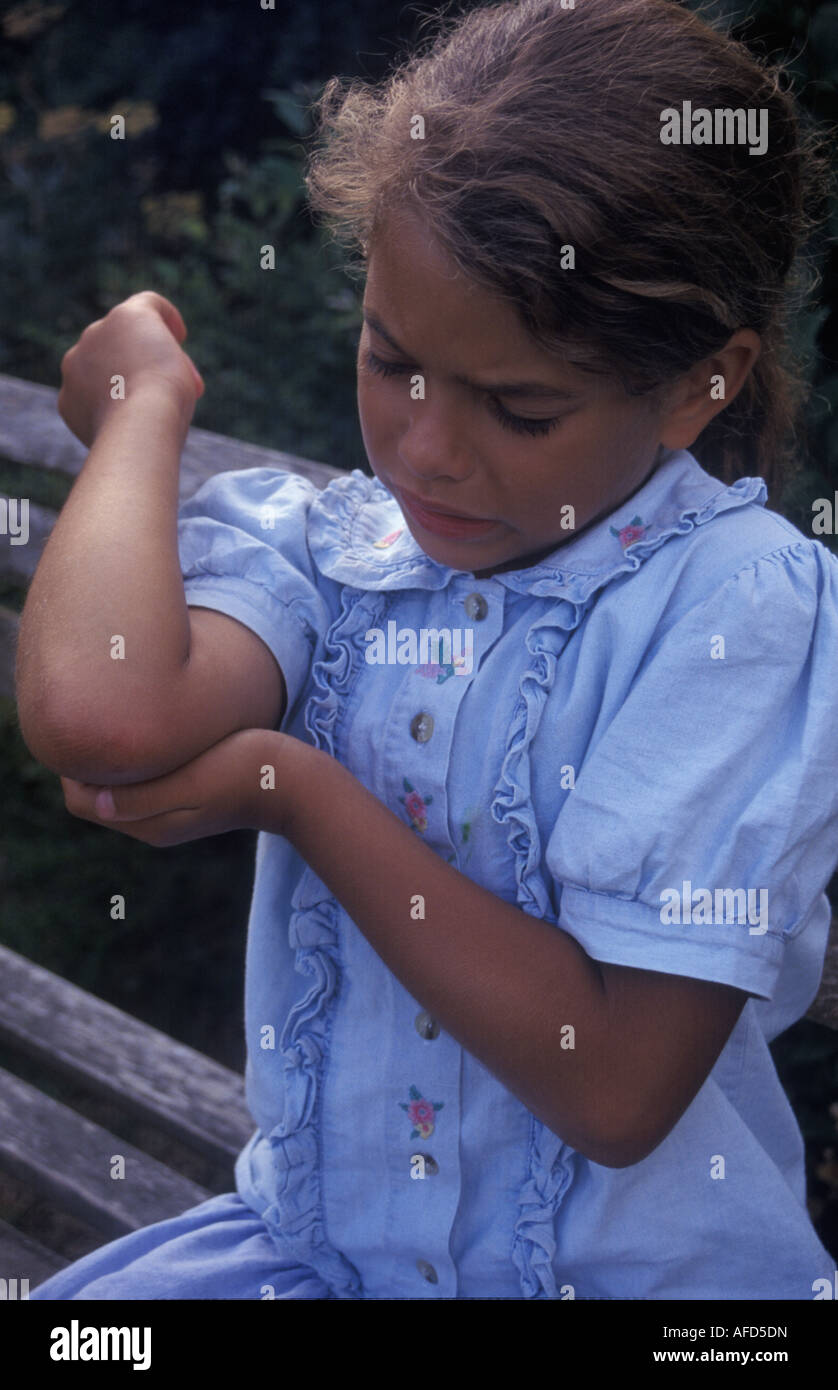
x=542 y=130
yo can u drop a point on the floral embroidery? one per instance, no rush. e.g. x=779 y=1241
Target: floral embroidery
x=384 y=541
x=421 y=1113
x=465 y=834
x=631 y=533
x=415 y=805
x=440 y=674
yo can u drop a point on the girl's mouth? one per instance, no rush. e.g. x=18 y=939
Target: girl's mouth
x=443 y=523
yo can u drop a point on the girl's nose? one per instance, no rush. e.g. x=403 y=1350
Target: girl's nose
x=435 y=444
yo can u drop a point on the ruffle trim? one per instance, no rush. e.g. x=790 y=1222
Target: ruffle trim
x=353 y=512
x=512 y=804
x=551 y=1170
x=297 y=1210
x=550 y=1162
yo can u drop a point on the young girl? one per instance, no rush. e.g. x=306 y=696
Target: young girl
x=530 y=903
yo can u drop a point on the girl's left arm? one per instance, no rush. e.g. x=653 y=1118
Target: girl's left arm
x=506 y=985
x=501 y=982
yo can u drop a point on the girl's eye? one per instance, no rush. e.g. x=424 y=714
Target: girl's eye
x=378 y=364
x=518 y=423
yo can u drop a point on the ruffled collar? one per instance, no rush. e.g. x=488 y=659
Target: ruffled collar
x=358 y=536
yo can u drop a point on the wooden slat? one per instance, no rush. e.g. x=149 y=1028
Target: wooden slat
x=32 y=432
x=149 y=1074
x=68 y=1159
x=23 y=1258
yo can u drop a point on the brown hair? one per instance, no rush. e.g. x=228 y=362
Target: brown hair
x=543 y=130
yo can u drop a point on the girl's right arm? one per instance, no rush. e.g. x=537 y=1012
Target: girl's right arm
x=117 y=678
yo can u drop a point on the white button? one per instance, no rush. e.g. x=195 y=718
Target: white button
x=476 y=607
x=422 y=726
x=426 y=1026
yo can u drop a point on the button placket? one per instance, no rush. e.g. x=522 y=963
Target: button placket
x=426 y=1206
x=428 y=1029
x=430 y=1184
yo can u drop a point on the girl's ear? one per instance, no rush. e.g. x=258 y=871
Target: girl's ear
x=707 y=388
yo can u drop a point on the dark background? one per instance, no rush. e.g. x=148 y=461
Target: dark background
x=215 y=98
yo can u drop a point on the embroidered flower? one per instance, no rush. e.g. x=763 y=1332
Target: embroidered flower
x=631 y=533
x=384 y=541
x=420 y=1112
x=432 y=671
x=416 y=806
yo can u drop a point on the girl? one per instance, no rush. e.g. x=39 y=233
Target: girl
x=537 y=725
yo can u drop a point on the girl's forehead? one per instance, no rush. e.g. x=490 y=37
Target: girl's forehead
x=405 y=248
x=431 y=310
x=416 y=291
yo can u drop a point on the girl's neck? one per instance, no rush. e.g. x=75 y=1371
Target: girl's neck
x=523 y=562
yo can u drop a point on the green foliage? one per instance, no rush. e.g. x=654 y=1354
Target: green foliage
x=275 y=346
x=804 y=38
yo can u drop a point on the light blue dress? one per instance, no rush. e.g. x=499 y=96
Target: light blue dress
x=649 y=713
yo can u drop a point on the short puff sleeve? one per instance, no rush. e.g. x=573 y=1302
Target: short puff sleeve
x=718 y=772
x=242 y=542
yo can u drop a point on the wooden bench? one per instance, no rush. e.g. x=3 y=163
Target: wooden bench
x=136 y=1074
x=143 y=1074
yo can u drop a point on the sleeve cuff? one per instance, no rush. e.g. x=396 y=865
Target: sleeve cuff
x=269 y=618
x=624 y=931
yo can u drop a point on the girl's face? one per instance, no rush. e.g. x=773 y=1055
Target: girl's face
x=576 y=441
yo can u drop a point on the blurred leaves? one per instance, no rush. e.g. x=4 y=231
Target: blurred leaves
x=27 y=20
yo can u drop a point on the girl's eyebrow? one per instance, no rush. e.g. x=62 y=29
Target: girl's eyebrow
x=497 y=388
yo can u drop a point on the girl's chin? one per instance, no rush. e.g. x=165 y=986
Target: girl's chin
x=456 y=553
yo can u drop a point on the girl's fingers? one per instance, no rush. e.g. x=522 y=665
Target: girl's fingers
x=170 y=315
x=125 y=803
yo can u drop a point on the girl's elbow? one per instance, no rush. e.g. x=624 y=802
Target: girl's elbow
x=615 y=1140
x=91 y=755
x=623 y=1154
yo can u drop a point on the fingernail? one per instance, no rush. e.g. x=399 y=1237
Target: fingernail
x=105 y=804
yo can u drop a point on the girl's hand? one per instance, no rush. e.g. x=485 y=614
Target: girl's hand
x=215 y=792
x=138 y=340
